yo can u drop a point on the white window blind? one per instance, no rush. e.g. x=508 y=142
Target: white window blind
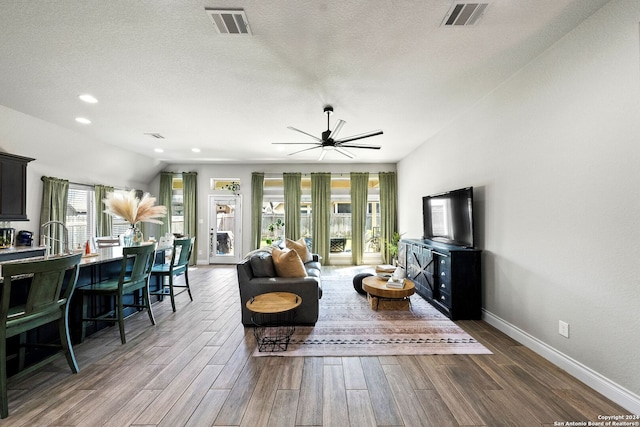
x=80 y=218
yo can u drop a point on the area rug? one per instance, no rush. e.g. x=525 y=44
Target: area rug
x=348 y=326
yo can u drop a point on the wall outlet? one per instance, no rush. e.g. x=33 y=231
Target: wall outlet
x=563 y=328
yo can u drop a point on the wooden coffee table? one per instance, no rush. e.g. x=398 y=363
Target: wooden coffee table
x=272 y=315
x=382 y=297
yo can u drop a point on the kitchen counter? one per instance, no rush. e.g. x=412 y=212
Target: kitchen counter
x=20 y=252
x=101 y=256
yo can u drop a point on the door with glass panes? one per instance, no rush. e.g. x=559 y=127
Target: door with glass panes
x=225 y=220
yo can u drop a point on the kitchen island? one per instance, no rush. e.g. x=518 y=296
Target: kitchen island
x=20 y=252
x=103 y=265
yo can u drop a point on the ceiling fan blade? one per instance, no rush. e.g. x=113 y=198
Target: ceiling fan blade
x=344 y=152
x=303 y=132
x=306 y=149
x=322 y=154
x=371 y=147
x=360 y=136
x=336 y=130
x=294 y=143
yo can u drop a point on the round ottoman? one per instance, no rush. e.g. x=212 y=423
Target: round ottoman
x=357 y=282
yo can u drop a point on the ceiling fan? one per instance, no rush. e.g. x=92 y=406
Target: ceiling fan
x=329 y=140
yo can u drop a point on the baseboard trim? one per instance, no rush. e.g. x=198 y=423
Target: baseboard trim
x=620 y=395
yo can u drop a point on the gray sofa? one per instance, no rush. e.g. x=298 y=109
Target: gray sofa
x=256 y=275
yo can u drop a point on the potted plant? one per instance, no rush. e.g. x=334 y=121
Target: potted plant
x=278 y=225
x=234 y=187
x=392 y=246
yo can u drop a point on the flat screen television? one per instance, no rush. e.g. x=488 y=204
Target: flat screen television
x=448 y=217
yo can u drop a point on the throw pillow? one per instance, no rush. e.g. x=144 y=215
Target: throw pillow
x=287 y=263
x=300 y=246
x=262 y=265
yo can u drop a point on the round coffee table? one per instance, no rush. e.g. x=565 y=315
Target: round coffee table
x=378 y=291
x=272 y=314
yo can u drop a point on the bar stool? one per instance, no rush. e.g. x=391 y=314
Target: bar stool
x=47 y=301
x=179 y=265
x=132 y=278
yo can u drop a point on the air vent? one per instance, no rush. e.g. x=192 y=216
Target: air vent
x=229 y=21
x=464 y=14
x=154 y=135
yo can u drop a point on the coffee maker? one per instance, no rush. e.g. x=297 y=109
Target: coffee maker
x=24 y=238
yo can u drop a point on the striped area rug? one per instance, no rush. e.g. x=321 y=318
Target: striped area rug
x=348 y=326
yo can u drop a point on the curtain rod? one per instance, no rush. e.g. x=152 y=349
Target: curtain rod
x=93 y=185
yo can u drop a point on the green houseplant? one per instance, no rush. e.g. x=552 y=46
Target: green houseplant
x=392 y=246
x=278 y=225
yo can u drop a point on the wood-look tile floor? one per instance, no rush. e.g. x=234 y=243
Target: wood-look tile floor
x=194 y=368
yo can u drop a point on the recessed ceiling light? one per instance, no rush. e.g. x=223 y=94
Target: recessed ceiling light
x=83 y=120
x=88 y=98
x=195 y=150
x=158 y=150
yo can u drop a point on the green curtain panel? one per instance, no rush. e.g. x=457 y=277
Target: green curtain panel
x=292 y=199
x=164 y=199
x=321 y=213
x=257 y=192
x=55 y=192
x=104 y=221
x=359 y=195
x=388 y=211
x=190 y=200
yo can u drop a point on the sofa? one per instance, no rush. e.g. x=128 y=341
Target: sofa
x=257 y=274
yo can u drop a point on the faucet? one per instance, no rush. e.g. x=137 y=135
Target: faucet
x=65 y=238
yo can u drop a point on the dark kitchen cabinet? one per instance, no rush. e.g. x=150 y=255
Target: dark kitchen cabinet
x=13 y=187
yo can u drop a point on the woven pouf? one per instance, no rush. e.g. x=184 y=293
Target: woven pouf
x=357 y=282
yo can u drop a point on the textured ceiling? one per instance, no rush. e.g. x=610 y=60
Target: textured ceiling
x=160 y=66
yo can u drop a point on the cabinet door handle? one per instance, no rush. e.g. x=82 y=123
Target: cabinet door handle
x=442 y=298
x=443 y=286
x=443 y=274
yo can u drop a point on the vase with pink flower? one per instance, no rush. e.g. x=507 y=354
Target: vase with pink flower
x=134 y=210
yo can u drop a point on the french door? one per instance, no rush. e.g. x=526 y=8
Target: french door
x=225 y=231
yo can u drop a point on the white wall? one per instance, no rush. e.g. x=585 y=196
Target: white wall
x=554 y=156
x=243 y=172
x=66 y=154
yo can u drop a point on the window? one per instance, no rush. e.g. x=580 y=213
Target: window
x=342 y=208
x=372 y=225
x=80 y=218
x=119 y=225
x=228 y=184
x=177 y=206
x=340 y=226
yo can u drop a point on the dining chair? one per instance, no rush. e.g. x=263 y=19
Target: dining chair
x=47 y=300
x=135 y=272
x=178 y=265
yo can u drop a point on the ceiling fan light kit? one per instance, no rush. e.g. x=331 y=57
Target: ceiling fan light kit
x=329 y=139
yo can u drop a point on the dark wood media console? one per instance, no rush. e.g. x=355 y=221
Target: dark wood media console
x=448 y=276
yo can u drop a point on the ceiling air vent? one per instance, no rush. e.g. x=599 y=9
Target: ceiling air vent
x=464 y=14
x=154 y=135
x=229 y=21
